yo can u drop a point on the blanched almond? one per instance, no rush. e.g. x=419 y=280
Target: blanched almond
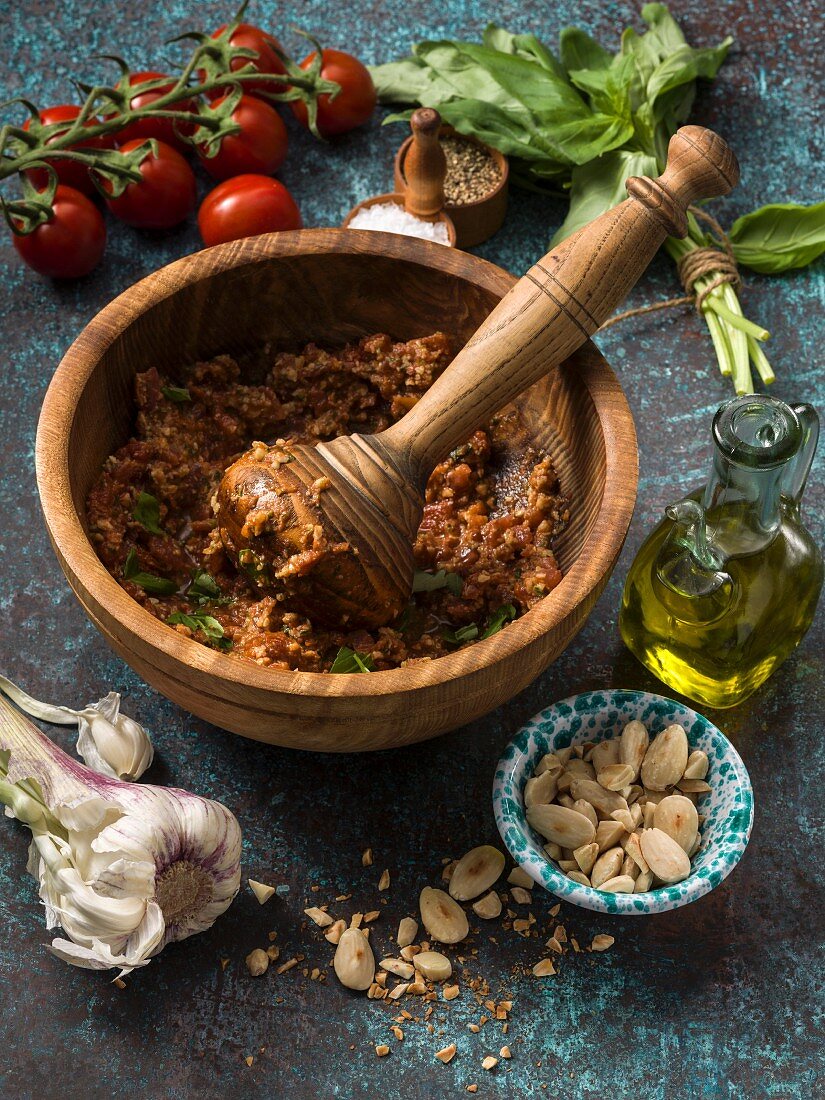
x=585 y=808
x=626 y=819
x=676 y=816
x=633 y=745
x=693 y=786
x=521 y=896
x=666 y=859
x=695 y=846
x=586 y=856
x=519 y=877
x=629 y=868
x=643 y=882
x=488 y=907
x=609 y=834
x=665 y=761
x=577 y=876
x=553 y=850
x=580 y=769
x=335 y=931
x=614 y=777
x=601 y=942
x=563 y=826
x=649 y=814
x=605 y=753
x=549 y=763
x=476 y=872
x=540 y=789
x=621 y=884
x=354 y=962
x=607 y=866
x=398 y=967
x=597 y=796
x=633 y=848
x=433 y=965
x=697 y=765
x=443 y=918
x=407 y=931
x=564 y=754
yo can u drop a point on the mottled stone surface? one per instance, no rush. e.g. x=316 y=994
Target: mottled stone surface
x=722 y=999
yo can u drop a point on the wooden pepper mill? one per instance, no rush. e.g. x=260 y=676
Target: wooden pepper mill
x=333 y=525
x=423 y=196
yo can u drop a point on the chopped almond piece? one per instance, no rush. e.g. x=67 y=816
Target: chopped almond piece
x=384 y=881
x=489 y=1062
x=382 y=1050
x=366 y=857
x=447 y=1054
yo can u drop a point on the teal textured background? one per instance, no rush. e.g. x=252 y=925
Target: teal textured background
x=720 y=1000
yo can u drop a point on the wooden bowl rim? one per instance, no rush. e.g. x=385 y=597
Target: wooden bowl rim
x=80 y=561
x=398 y=198
x=450 y=131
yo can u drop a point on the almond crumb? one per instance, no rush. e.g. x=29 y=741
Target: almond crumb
x=451 y=992
x=384 y=881
x=373 y=914
x=472 y=1088
x=447 y=1054
x=224 y=964
x=249 y=1059
x=602 y=942
x=119 y=982
x=489 y=1062
x=474 y=1028
x=544 y=968
x=366 y=857
x=554 y=912
x=318 y=916
x=288 y=965
x=382 y=1050
x=397 y=1032
x=356 y=919
x=505 y=1053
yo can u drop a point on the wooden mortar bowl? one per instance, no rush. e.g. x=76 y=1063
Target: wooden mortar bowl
x=331 y=286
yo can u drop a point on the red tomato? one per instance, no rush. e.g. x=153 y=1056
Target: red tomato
x=260 y=146
x=71 y=243
x=248 y=37
x=245 y=206
x=161 y=128
x=164 y=196
x=69 y=172
x=355 y=102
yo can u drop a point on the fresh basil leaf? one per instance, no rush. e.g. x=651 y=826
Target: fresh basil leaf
x=429 y=582
x=779 y=237
x=523 y=45
x=601 y=185
x=159 y=586
x=348 y=660
x=178 y=394
x=402 y=81
x=665 y=35
x=504 y=615
x=147 y=513
x=201 y=622
x=579 y=51
x=464 y=634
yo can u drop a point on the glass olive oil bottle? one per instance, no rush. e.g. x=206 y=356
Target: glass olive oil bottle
x=726 y=586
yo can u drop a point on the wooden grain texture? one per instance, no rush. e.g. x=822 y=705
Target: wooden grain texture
x=233 y=298
x=426 y=166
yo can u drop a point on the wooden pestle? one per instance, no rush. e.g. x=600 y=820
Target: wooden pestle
x=425 y=166
x=332 y=526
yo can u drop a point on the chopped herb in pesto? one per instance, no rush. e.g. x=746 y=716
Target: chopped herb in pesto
x=347 y=660
x=464 y=634
x=158 y=586
x=200 y=621
x=178 y=394
x=505 y=614
x=429 y=582
x=147 y=513
x=203 y=588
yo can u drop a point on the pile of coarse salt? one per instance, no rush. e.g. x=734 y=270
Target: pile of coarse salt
x=393 y=218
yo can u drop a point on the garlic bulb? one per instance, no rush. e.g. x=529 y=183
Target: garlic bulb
x=123 y=868
x=110 y=742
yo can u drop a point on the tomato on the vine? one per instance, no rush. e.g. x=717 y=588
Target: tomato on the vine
x=164 y=196
x=260 y=147
x=71 y=243
x=353 y=105
x=161 y=128
x=70 y=172
x=245 y=206
x=247 y=37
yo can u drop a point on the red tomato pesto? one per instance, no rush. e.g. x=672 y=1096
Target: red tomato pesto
x=492 y=508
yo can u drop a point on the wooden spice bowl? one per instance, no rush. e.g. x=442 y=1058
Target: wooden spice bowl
x=398 y=199
x=329 y=286
x=477 y=221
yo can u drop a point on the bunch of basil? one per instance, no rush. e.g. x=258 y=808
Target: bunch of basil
x=586 y=120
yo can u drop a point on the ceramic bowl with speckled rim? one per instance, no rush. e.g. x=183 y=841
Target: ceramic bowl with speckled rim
x=595 y=716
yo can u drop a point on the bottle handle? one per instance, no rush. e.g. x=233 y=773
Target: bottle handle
x=793 y=484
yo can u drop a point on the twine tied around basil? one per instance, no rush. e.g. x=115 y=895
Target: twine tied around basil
x=716 y=259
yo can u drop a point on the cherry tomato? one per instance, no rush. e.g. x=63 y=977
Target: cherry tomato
x=260 y=147
x=164 y=196
x=71 y=243
x=245 y=206
x=161 y=128
x=353 y=105
x=70 y=172
x=248 y=37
